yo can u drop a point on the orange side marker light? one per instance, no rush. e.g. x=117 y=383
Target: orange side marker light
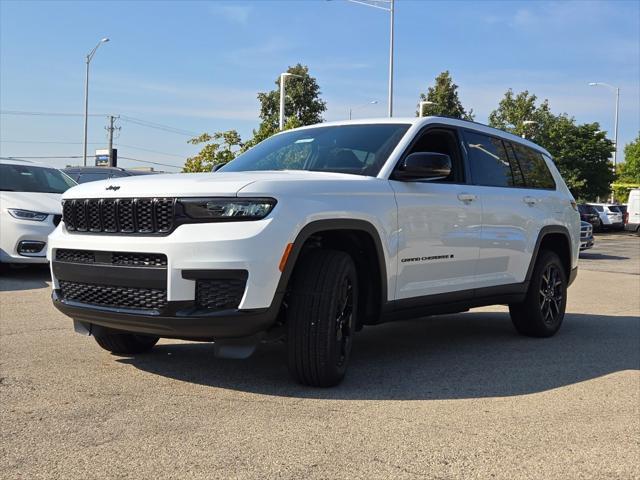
x=285 y=256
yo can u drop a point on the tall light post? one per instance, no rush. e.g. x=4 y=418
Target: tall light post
x=372 y=102
x=387 y=6
x=525 y=124
x=88 y=59
x=282 y=96
x=424 y=103
x=615 y=127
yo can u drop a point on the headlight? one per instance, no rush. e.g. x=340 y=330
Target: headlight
x=27 y=214
x=227 y=209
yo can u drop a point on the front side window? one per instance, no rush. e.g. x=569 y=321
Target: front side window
x=352 y=149
x=28 y=178
x=442 y=141
x=534 y=168
x=488 y=160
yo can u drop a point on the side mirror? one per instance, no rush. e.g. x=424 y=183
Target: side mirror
x=218 y=166
x=424 y=166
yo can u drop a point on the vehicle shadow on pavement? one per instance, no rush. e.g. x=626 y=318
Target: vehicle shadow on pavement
x=468 y=355
x=24 y=278
x=601 y=256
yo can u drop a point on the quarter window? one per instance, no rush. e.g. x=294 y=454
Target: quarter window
x=488 y=160
x=535 y=170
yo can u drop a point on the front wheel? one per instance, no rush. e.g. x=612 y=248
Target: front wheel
x=125 y=343
x=321 y=317
x=542 y=312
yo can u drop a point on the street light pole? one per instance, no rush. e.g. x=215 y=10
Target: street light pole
x=390 y=101
x=282 y=96
x=615 y=125
x=424 y=103
x=86 y=98
x=372 y=102
x=391 y=9
x=525 y=123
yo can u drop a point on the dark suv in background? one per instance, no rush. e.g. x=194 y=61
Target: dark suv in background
x=590 y=215
x=91 y=174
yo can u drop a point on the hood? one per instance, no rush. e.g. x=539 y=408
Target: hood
x=218 y=184
x=37 y=202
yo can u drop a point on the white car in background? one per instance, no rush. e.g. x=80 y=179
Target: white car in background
x=610 y=215
x=30 y=209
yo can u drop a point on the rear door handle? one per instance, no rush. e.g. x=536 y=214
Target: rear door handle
x=530 y=200
x=466 y=197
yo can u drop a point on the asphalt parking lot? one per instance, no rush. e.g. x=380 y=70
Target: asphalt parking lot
x=458 y=396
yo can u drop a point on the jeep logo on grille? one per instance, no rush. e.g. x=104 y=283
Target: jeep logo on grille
x=113 y=187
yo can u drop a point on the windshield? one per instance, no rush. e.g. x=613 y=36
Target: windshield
x=27 y=178
x=354 y=149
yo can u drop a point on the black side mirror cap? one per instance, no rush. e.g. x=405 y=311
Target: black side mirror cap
x=424 y=166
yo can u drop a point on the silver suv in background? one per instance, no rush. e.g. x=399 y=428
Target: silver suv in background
x=610 y=215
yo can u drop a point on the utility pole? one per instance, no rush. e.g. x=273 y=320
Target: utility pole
x=110 y=130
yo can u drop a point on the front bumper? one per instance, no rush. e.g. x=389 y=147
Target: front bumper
x=14 y=231
x=178 y=320
x=191 y=253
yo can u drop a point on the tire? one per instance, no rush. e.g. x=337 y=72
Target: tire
x=542 y=312
x=321 y=317
x=125 y=343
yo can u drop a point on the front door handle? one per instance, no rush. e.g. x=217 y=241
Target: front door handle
x=466 y=197
x=530 y=200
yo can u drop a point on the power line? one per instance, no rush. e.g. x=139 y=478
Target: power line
x=136 y=121
x=147 y=161
x=40 y=156
x=30 y=157
x=43 y=142
x=48 y=142
x=50 y=114
x=158 y=126
x=150 y=150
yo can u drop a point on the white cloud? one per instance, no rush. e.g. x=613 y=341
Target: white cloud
x=238 y=14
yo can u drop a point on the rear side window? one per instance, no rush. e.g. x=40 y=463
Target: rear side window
x=488 y=160
x=598 y=208
x=534 y=168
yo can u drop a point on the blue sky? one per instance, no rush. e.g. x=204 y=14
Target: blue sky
x=197 y=66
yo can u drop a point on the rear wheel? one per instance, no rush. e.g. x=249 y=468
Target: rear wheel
x=125 y=343
x=542 y=312
x=321 y=317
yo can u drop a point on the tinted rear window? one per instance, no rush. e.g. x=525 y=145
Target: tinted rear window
x=488 y=160
x=92 y=177
x=534 y=168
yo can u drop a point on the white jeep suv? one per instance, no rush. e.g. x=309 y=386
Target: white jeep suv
x=317 y=232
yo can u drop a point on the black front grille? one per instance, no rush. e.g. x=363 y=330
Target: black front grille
x=219 y=294
x=108 y=296
x=133 y=259
x=75 y=256
x=56 y=219
x=139 y=259
x=120 y=215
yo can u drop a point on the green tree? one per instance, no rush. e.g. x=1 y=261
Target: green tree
x=219 y=147
x=581 y=152
x=629 y=171
x=515 y=109
x=302 y=106
x=444 y=95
